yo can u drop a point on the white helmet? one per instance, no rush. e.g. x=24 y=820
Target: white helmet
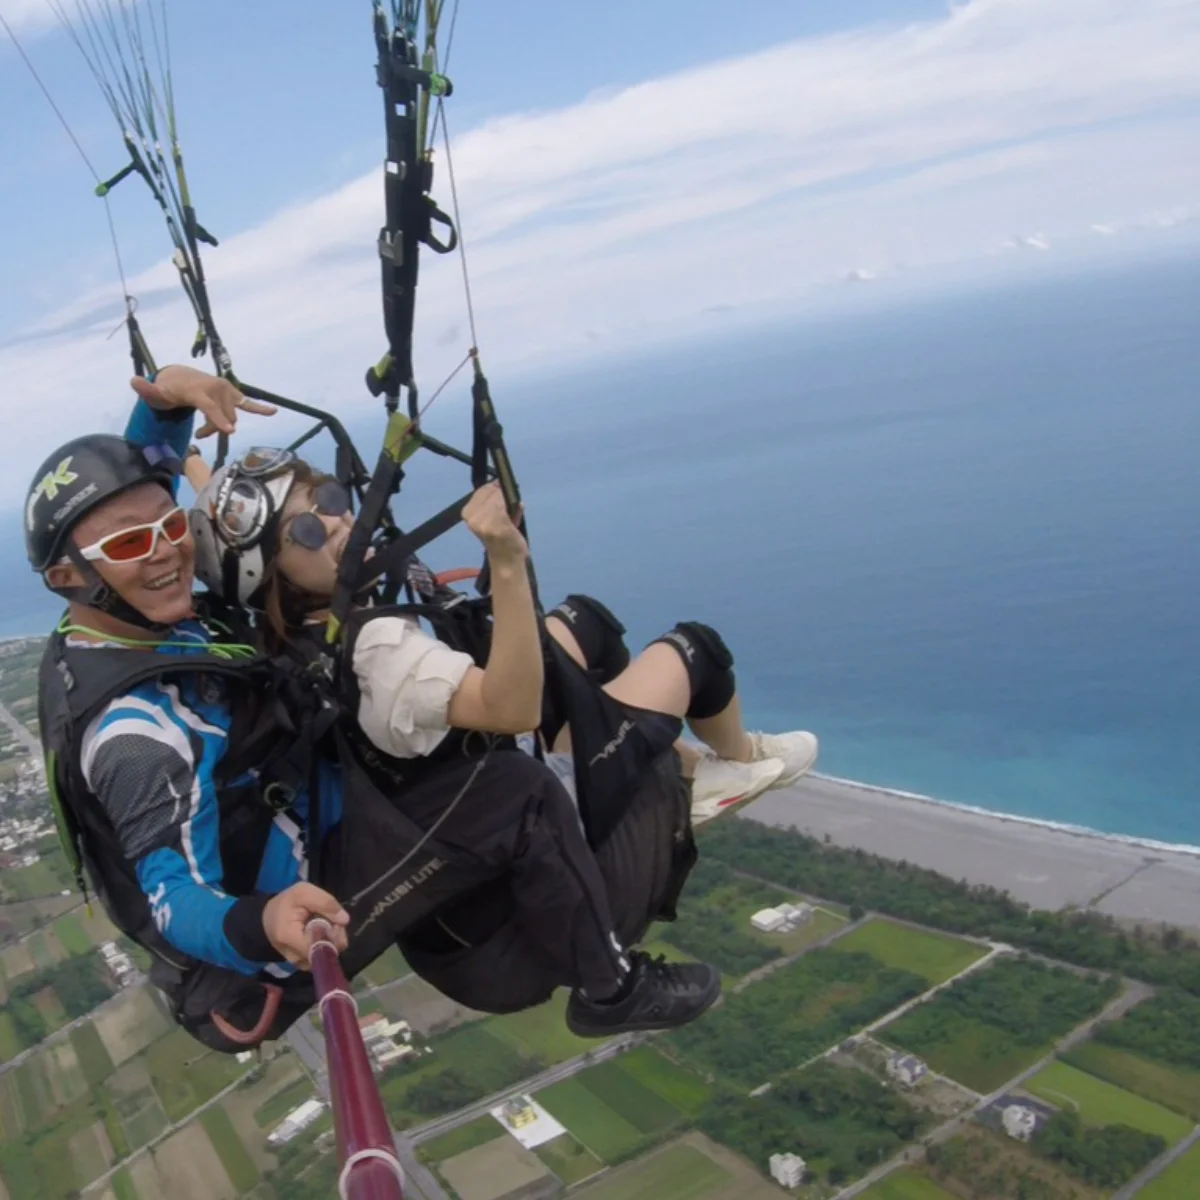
x=235 y=521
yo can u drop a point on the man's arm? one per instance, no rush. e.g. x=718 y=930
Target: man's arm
x=142 y=765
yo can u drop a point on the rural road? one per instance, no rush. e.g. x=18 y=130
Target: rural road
x=21 y=733
x=1157 y=1167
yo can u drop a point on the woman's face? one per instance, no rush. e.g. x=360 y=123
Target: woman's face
x=312 y=571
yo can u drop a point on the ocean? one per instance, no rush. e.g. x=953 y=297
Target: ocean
x=955 y=537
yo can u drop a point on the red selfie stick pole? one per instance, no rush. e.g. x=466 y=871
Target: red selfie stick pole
x=371 y=1169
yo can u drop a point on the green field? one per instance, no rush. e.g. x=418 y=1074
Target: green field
x=675 y=1084
x=10 y=1042
x=185 y=1074
x=604 y=1132
x=906 y=1185
x=387 y=968
x=568 y=1159
x=1181 y=1179
x=1099 y=1103
x=276 y=1107
x=676 y=1173
x=541 y=1032
x=233 y=1154
x=934 y=956
x=466 y=1137
x=45 y=952
x=25 y=883
x=143 y=1126
x=122 y=1186
x=72 y=936
x=94 y=1058
x=1177 y=1088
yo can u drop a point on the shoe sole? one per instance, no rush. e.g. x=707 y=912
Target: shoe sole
x=710 y=998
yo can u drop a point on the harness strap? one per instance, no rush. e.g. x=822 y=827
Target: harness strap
x=252 y=1037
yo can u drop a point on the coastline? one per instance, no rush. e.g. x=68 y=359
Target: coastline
x=1043 y=863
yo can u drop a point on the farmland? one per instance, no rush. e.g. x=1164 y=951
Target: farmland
x=1174 y=1087
x=936 y=957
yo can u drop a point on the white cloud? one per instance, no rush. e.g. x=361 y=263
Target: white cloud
x=751 y=183
x=24 y=16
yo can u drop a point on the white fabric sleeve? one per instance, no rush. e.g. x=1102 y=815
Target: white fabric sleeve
x=406 y=679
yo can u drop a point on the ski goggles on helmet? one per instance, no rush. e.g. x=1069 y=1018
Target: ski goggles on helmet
x=138 y=542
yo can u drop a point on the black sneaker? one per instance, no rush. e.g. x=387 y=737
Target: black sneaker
x=663 y=995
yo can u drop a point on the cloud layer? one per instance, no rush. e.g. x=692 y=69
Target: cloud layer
x=747 y=185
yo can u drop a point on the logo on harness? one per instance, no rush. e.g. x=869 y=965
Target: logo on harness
x=625 y=729
x=401 y=890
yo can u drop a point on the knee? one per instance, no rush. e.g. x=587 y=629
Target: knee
x=709 y=665
x=598 y=633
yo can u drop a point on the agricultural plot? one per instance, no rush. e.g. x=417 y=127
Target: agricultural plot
x=907 y=1185
x=466 y=1137
x=679 y=1172
x=1099 y=1103
x=541 y=1033
x=184 y=1167
x=610 y=1111
x=568 y=1159
x=494 y=1170
x=675 y=1084
x=50 y=1009
x=1181 y=1178
x=30 y=883
x=238 y=1164
x=11 y=1042
x=793 y=1015
x=91 y=1152
x=1174 y=1087
x=17 y=960
x=184 y=1074
x=936 y=957
x=424 y=1008
x=387 y=968
x=64 y=1072
x=136 y=1104
x=282 y=1081
x=987 y=1027
x=130 y=1024
x=20 y=918
x=94 y=1059
x=45 y=949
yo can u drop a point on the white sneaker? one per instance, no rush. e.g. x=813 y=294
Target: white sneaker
x=719 y=784
x=797 y=750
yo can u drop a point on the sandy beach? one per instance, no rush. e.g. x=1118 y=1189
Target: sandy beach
x=1044 y=866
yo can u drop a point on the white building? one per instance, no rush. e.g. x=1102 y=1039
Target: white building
x=297 y=1120
x=768 y=920
x=1019 y=1122
x=787 y=1170
x=796 y=914
x=906 y=1069
x=379 y=1036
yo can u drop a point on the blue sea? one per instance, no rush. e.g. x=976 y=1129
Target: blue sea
x=957 y=537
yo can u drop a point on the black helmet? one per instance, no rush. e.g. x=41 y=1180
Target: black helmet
x=77 y=478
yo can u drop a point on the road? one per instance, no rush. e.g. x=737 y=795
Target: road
x=21 y=733
x=1133 y=993
x=137 y=981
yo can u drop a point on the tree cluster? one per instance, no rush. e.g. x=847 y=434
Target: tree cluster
x=1104 y=1157
x=855 y=877
x=1165 y=1028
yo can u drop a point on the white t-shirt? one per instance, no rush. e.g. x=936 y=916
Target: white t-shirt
x=406 y=680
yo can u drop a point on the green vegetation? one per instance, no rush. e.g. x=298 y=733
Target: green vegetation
x=934 y=957
x=72 y=936
x=466 y=1137
x=985 y=1028
x=94 y=1059
x=11 y=1041
x=387 y=968
x=714 y=919
x=466 y=1065
x=79 y=985
x=794 y=1014
x=122 y=1186
x=674 y=1173
x=43 y=951
x=233 y=1154
x=1106 y=1157
x=621 y=1107
x=675 y=1084
x=185 y=1074
x=568 y=1159
x=1165 y=1028
x=1176 y=1088
x=1088 y=939
x=1181 y=1178
x=982 y=1164
x=276 y=1107
x=1101 y=1103
x=842 y=1122
x=906 y=1185
x=541 y=1032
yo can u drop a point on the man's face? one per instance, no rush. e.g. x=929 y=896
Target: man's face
x=159 y=587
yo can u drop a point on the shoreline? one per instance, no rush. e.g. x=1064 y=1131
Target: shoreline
x=1045 y=864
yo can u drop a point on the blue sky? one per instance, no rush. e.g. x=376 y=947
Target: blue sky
x=630 y=172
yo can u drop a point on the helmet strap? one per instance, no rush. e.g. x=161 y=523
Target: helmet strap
x=96 y=593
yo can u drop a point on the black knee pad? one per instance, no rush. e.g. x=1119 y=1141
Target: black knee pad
x=598 y=633
x=709 y=664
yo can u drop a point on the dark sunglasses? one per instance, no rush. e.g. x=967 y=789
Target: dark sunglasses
x=330 y=499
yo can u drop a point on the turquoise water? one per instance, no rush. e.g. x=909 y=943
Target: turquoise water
x=957 y=539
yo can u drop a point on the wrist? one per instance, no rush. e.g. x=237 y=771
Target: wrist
x=246 y=929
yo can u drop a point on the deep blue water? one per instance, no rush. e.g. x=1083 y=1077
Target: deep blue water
x=957 y=539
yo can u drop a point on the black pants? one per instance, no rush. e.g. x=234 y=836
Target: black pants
x=504 y=823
